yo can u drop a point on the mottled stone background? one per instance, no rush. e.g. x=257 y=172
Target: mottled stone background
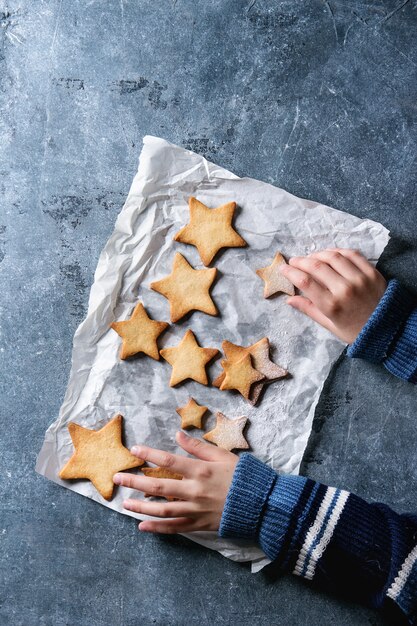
x=317 y=97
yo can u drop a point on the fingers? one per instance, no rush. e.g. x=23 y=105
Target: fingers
x=161 y=509
x=320 y=271
x=201 y=449
x=357 y=259
x=169 y=527
x=341 y=264
x=180 y=464
x=308 y=308
x=313 y=290
x=174 y=462
x=161 y=487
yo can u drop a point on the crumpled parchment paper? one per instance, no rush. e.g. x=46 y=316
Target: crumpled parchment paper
x=141 y=250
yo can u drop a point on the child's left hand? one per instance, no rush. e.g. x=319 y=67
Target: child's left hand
x=201 y=493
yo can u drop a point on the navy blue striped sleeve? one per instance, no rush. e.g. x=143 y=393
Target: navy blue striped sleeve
x=326 y=535
x=390 y=335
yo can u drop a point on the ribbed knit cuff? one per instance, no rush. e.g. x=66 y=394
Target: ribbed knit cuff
x=283 y=509
x=375 y=338
x=402 y=359
x=251 y=485
x=261 y=505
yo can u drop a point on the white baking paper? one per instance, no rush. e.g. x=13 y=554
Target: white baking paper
x=141 y=250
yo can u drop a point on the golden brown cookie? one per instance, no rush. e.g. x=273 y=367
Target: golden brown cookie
x=209 y=230
x=160 y=472
x=228 y=433
x=191 y=414
x=187 y=289
x=139 y=334
x=240 y=375
x=274 y=281
x=188 y=360
x=261 y=361
x=99 y=454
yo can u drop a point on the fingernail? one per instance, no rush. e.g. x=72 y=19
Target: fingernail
x=135 y=450
x=140 y=526
x=127 y=504
x=180 y=435
x=117 y=479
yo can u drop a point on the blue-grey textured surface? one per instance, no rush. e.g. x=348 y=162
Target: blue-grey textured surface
x=317 y=97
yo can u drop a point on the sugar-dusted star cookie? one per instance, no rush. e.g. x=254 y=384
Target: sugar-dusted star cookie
x=261 y=361
x=99 y=454
x=160 y=472
x=240 y=375
x=274 y=281
x=228 y=433
x=187 y=289
x=188 y=360
x=209 y=230
x=139 y=334
x=191 y=414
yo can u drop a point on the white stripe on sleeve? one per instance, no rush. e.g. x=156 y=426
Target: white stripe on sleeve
x=318 y=551
x=401 y=578
x=314 y=530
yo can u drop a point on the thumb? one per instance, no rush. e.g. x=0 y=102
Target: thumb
x=308 y=308
x=201 y=449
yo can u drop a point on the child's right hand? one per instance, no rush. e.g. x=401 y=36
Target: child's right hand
x=341 y=289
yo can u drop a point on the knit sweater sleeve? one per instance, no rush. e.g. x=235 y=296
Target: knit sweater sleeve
x=390 y=334
x=326 y=535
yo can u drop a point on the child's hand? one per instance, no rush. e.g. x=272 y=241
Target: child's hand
x=341 y=289
x=202 y=491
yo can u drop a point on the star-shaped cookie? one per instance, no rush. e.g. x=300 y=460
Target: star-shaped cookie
x=209 y=230
x=99 y=454
x=191 y=414
x=228 y=433
x=240 y=375
x=160 y=472
x=274 y=281
x=259 y=352
x=139 y=334
x=187 y=289
x=188 y=360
